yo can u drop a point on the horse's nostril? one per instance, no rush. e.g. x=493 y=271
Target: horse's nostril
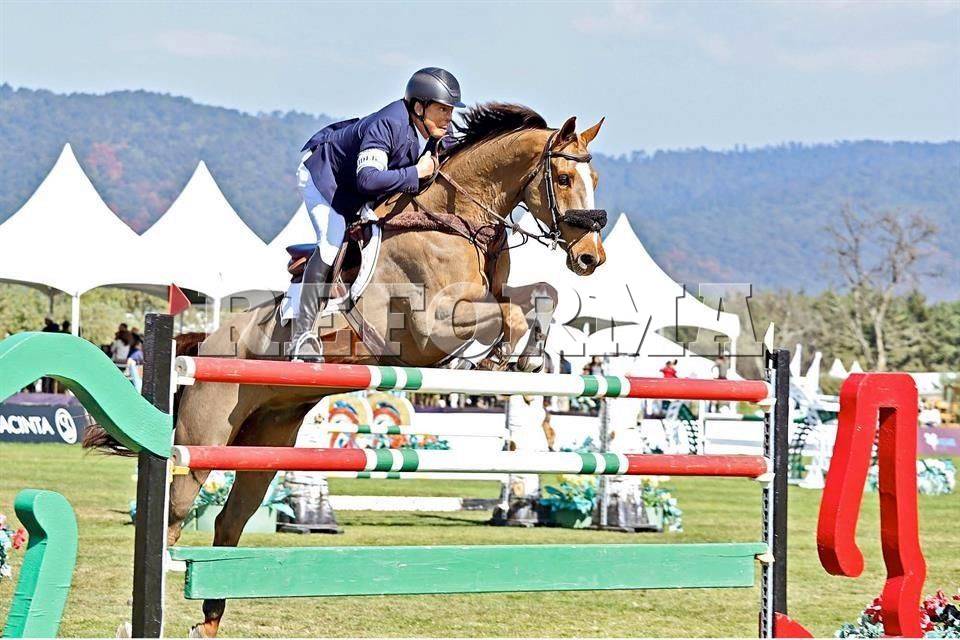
x=586 y=260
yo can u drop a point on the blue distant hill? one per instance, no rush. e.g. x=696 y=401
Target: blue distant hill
x=749 y=215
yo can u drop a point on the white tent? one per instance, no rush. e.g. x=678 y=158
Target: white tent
x=837 y=370
x=638 y=351
x=208 y=248
x=66 y=238
x=299 y=230
x=653 y=291
x=630 y=288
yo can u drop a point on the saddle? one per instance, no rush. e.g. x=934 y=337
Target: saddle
x=356 y=259
x=490 y=241
x=345 y=265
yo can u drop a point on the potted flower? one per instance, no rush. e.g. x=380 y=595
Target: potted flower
x=9 y=539
x=660 y=506
x=935 y=477
x=213 y=495
x=571 y=504
x=939 y=618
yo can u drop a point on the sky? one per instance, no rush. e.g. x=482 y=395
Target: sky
x=665 y=75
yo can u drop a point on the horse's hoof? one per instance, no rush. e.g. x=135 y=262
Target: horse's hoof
x=125 y=630
x=197 y=631
x=531 y=364
x=488 y=364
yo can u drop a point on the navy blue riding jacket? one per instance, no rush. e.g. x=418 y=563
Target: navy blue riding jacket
x=359 y=160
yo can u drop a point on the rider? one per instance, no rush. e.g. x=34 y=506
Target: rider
x=350 y=163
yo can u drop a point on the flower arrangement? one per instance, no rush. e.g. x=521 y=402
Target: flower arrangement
x=660 y=498
x=574 y=494
x=587 y=446
x=569 y=495
x=216 y=489
x=935 y=477
x=9 y=539
x=939 y=618
x=579 y=493
x=411 y=442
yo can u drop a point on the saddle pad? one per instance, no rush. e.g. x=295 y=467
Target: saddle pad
x=369 y=254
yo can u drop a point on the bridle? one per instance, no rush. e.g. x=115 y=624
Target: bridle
x=589 y=219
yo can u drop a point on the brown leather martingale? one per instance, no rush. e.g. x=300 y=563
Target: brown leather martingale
x=490 y=239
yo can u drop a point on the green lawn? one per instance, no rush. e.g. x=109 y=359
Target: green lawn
x=715 y=510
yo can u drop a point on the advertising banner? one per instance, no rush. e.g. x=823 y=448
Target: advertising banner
x=38 y=417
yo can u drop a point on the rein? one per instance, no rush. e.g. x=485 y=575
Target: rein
x=589 y=219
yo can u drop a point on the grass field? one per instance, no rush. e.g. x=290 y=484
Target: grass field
x=715 y=510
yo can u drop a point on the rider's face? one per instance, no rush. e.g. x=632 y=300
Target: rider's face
x=436 y=118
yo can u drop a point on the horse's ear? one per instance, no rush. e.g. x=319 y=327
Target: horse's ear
x=592 y=132
x=568 y=132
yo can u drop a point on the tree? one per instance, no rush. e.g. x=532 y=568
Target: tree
x=878 y=255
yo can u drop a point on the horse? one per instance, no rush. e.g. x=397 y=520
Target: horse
x=448 y=240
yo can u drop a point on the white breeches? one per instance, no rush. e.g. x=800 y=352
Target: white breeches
x=329 y=225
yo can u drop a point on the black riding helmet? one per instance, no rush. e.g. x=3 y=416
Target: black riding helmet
x=433 y=84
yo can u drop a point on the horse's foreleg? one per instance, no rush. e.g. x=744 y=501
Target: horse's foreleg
x=457 y=315
x=267 y=429
x=502 y=322
x=538 y=302
x=514 y=327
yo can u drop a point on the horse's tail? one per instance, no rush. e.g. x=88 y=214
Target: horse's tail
x=96 y=437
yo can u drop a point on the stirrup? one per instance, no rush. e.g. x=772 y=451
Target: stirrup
x=296 y=356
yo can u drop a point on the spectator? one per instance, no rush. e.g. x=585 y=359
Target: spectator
x=49 y=385
x=565 y=366
x=136 y=349
x=135 y=362
x=65 y=326
x=120 y=348
x=135 y=332
x=720 y=367
x=669 y=370
x=596 y=366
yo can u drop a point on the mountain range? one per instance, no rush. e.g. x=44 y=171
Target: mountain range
x=754 y=215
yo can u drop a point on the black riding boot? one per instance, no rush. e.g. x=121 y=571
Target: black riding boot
x=304 y=344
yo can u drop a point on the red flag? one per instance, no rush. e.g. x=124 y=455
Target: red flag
x=178 y=301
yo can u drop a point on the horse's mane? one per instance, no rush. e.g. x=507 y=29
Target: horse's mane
x=490 y=120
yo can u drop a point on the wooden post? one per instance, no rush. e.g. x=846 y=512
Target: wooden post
x=152 y=487
x=773 y=575
x=602 y=502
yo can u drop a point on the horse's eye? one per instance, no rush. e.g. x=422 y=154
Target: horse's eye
x=564 y=180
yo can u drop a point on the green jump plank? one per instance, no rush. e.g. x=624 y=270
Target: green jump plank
x=218 y=572
x=48 y=563
x=93 y=378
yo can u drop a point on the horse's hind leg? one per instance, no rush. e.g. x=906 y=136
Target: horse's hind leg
x=208 y=414
x=263 y=429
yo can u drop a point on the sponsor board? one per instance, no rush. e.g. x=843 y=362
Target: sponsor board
x=42 y=423
x=938 y=441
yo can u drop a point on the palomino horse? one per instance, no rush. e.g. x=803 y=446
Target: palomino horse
x=507 y=157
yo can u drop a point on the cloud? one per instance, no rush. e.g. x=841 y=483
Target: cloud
x=397 y=59
x=716 y=47
x=895 y=56
x=188 y=43
x=842 y=35
x=617 y=17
